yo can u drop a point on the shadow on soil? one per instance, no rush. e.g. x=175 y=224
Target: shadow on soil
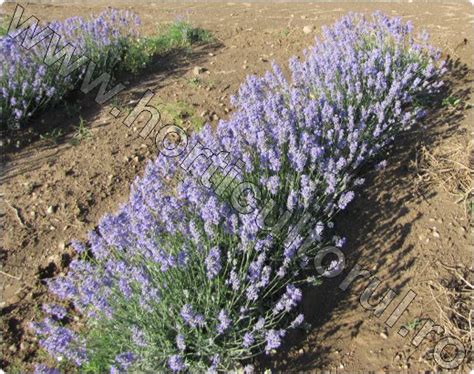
x=372 y=222
x=42 y=132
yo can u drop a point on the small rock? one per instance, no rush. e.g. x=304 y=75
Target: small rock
x=436 y=234
x=341 y=366
x=301 y=351
x=211 y=54
x=12 y=348
x=215 y=117
x=308 y=29
x=383 y=335
x=198 y=70
x=51 y=209
x=303 y=17
x=204 y=113
x=61 y=246
x=136 y=159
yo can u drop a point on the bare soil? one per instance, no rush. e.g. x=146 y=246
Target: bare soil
x=402 y=227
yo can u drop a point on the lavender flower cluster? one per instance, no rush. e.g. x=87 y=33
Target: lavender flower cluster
x=179 y=278
x=28 y=83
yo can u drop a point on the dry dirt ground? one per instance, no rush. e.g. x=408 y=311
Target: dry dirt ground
x=405 y=224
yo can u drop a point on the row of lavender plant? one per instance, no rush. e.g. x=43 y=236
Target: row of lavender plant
x=28 y=83
x=178 y=279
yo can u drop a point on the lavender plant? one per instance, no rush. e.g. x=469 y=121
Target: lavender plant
x=190 y=275
x=28 y=83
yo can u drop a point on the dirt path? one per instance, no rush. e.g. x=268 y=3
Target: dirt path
x=53 y=193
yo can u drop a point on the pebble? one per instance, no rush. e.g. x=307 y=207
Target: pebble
x=308 y=29
x=383 y=335
x=436 y=234
x=50 y=210
x=198 y=70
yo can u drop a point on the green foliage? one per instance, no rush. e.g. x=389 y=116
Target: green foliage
x=412 y=325
x=285 y=32
x=181 y=113
x=451 y=101
x=195 y=82
x=52 y=136
x=72 y=109
x=177 y=35
x=182 y=34
x=4 y=23
x=82 y=132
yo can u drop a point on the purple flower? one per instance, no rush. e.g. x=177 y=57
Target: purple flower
x=273 y=339
x=180 y=342
x=43 y=369
x=249 y=339
x=78 y=246
x=289 y=300
x=260 y=324
x=125 y=360
x=190 y=317
x=213 y=262
x=381 y=165
x=297 y=321
x=345 y=199
x=176 y=363
x=224 y=321
x=138 y=337
x=56 y=311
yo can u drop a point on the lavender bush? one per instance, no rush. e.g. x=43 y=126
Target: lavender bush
x=28 y=83
x=180 y=278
